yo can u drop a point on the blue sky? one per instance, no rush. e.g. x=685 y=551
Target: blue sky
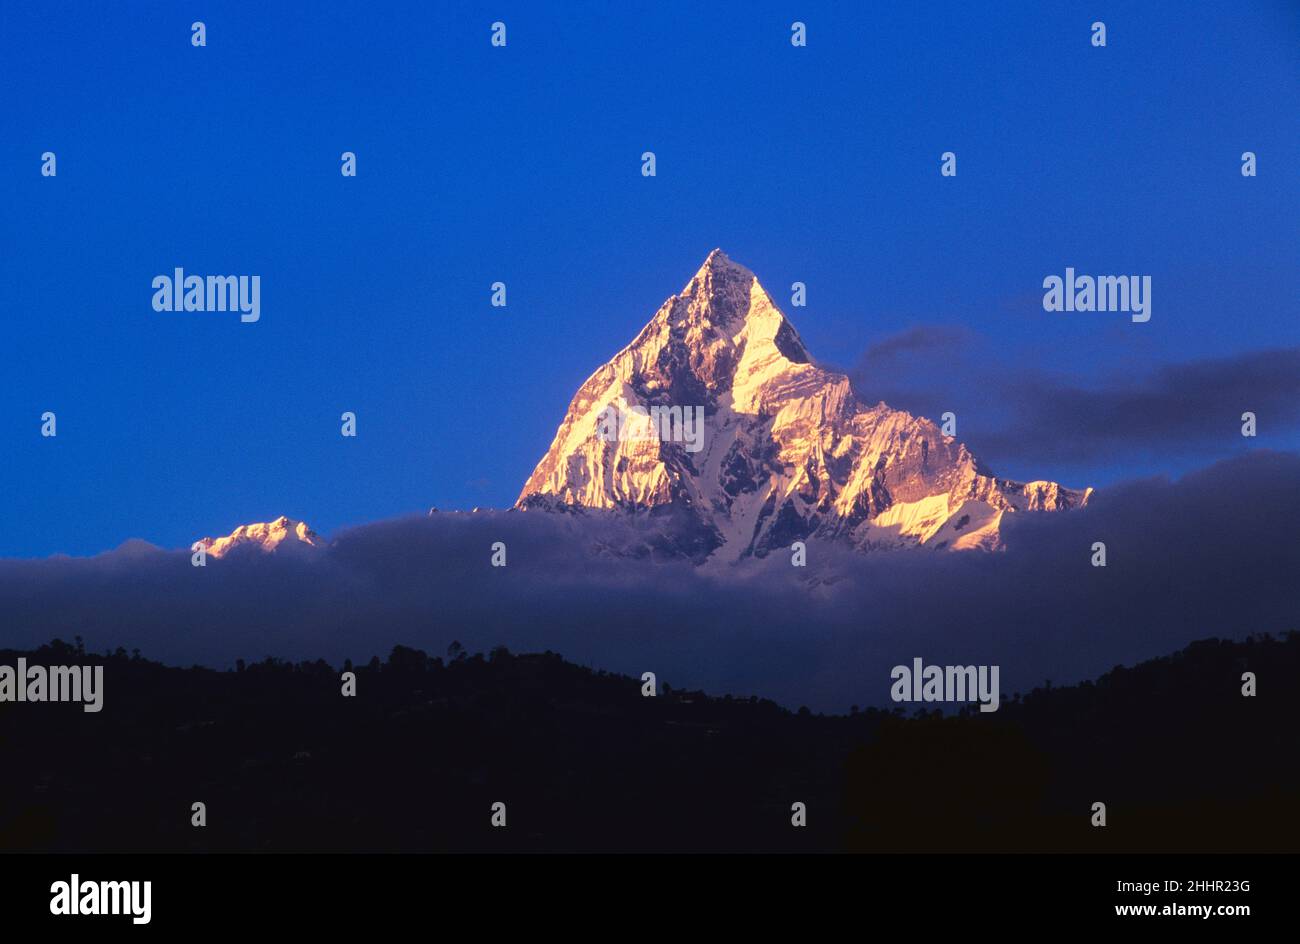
x=522 y=164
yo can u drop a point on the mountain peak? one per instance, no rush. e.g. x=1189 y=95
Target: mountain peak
x=719 y=292
x=717 y=261
x=776 y=449
x=283 y=533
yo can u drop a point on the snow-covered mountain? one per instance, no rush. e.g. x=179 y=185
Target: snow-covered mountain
x=786 y=450
x=278 y=535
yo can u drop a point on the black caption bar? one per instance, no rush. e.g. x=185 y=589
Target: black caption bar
x=143 y=894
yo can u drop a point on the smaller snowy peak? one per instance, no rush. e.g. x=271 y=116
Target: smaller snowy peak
x=270 y=536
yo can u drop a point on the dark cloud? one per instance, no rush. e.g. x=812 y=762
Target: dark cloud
x=927 y=339
x=1213 y=554
x=926 y=370
x=1010 y=413
x=1178 y=406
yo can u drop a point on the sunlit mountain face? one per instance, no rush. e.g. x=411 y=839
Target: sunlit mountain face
x=717 y=409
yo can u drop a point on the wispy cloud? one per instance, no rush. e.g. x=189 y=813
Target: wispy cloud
x=930 y=340
x=1011 y=412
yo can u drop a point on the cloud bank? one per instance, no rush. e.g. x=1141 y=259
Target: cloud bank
x=1212 y=554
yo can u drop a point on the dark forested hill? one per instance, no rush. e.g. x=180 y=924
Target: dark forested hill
x=283 y=762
